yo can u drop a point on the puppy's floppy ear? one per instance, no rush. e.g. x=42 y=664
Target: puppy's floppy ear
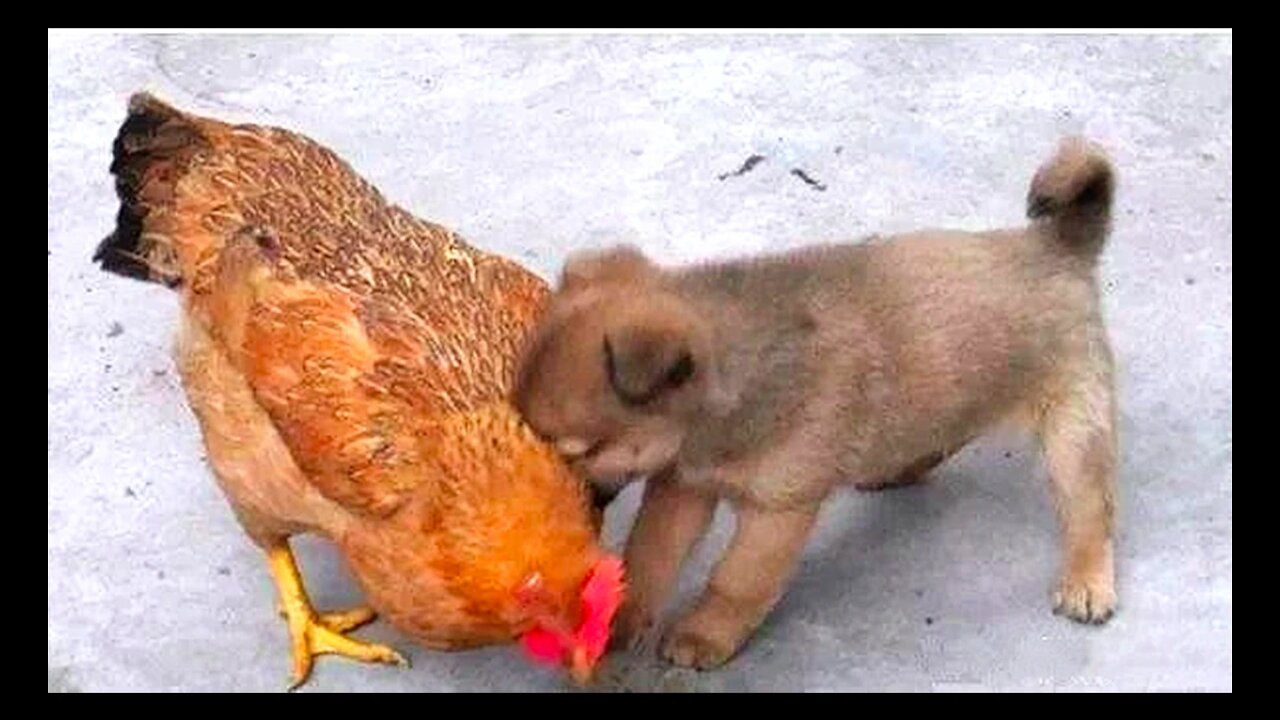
x=646 y=359
x=618 y=264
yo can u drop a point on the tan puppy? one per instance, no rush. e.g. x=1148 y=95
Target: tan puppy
x=769 y=381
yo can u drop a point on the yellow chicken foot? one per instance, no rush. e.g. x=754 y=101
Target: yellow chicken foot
x=314 y=633
x=340 y=621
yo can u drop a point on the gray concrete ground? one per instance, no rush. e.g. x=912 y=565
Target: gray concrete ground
x=534 y=146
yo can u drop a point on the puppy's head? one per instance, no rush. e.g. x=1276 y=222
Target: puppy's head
x=618 y=369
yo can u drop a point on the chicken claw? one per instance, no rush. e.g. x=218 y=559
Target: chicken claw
x=315 y=633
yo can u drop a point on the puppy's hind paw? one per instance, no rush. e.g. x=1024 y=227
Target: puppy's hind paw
x=1092 y=602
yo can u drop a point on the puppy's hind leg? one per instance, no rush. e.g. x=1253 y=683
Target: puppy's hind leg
x=1077 y=430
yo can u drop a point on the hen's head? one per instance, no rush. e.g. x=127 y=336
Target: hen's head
x=518 y=541
x=579 y=645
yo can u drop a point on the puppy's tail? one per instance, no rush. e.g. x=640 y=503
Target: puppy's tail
x=1070 y=197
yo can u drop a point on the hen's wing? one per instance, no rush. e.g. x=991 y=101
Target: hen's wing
x=359 y=327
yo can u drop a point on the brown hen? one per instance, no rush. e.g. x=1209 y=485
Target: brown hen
x=349 y=365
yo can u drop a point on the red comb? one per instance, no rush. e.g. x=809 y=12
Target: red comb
x=601 y=597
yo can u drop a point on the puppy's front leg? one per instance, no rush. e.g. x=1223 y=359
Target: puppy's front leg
x=671 y=520
x=746 y=584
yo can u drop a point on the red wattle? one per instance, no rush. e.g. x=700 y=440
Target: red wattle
x=543 y=645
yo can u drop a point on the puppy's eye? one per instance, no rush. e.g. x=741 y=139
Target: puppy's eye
x=680 y=372
x=640 y=379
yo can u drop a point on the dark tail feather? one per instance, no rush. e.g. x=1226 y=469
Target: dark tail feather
x=1071 y=197
x=149 y=156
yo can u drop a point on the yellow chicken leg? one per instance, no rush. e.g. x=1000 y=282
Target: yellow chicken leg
x=317 y=634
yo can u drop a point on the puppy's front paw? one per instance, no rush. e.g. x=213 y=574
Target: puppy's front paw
x=1086 y=599
x=709 y=635
x=689 y=648
x=633 y=630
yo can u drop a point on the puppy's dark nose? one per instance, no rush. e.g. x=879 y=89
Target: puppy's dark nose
x=601 y=497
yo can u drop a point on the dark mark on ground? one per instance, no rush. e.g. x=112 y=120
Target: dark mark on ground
x=60 y=680
x=928 y=621
x=1008 y=455
x=839 y=149
x=747 y=166
x=1190 y=281
x=160 y=373
x=224 y=570
x=116 y=330
x=808 y=180
x=160 y=574
x=128 y=491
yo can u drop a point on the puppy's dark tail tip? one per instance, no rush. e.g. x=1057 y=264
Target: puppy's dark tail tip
x=1071 y=196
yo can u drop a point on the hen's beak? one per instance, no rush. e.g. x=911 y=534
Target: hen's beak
x=580 y=667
